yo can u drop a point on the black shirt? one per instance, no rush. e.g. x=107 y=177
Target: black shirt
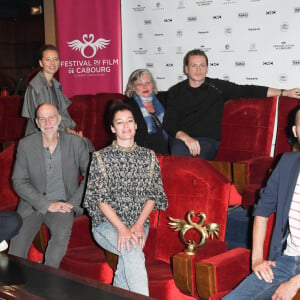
x=198 y=111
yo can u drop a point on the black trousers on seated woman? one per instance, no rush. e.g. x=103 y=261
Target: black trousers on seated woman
x=209 y=147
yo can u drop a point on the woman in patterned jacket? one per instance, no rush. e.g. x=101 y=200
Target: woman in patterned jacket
x=124 y=186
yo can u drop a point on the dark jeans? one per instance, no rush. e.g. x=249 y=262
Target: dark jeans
x=209 y=148
x=10 y=223
x=253 y=288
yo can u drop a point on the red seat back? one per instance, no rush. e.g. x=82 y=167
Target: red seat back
x=247 y=128
x=12 y=125
x=190 y=184
x=286 y=106
x=90 y=113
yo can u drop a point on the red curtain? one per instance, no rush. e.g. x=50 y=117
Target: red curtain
x=89 y=43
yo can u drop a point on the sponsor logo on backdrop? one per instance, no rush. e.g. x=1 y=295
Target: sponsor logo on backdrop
x=214 y=64
x=88 y=49
x=158 y=6
x=252 y=78
x=253 y=28
x=297 y=10
x=284 y=27
x=229 y=2
x=168 y=20
x=147 y=22
x=226 y=77
x=268 y=63
x=252 y=47
x=217 y=17
x=149 y=65
x=205 y=49
x=169 y=65
x=270 y=12
x=139 y=8
x=204 y=2
x=284 y=46
x=179 y=33
x=140 y=51
x=296 y=62
x=227 y=48
x=203 y=32
x=179 y=50
x=160 y=78
x=228 y=30
x=243 y=15
x=283 y=78
x=192 y=19
x=180 y=5
x=240 y=64
x=159 y=50
x=158 y=34
x=181 y=77
x=140 y=35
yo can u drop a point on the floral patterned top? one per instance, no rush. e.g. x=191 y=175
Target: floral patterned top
x=125 y=179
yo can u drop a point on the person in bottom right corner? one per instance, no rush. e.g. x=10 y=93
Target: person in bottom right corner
x=279 y=276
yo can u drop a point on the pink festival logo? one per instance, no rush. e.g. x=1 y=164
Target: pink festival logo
x=88 y=42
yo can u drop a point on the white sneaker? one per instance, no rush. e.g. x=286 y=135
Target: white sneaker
x=3 y=245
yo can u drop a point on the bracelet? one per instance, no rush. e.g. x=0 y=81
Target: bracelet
x=281 y=92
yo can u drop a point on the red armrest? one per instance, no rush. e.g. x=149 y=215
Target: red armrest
x=254 y=170
x=222 y=272
x=184 y=265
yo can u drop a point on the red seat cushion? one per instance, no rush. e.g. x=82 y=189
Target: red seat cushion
x=88 y=261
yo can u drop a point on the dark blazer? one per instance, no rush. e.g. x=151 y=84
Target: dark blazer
x=142 y=131
x=29 y=174
x=277 y=196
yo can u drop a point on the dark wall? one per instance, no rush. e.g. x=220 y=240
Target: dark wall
x=21 y=35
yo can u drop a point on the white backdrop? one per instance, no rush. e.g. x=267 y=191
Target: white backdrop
x=247 y=42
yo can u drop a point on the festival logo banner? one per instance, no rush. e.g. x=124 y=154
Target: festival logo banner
x=89 y=44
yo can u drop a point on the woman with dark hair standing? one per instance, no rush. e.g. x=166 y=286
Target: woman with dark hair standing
x=45 y=88
x=124 y=186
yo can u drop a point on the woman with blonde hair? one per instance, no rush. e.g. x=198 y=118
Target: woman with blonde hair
x=149 y=108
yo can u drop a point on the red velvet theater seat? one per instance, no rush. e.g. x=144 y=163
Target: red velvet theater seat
x=247 y=131
x=190 y=184
x=247 y=128
x=90 y=112
x=84 y=257
x=218 y=275
x=285 y=121
x=12 y=125
x=8 y=198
